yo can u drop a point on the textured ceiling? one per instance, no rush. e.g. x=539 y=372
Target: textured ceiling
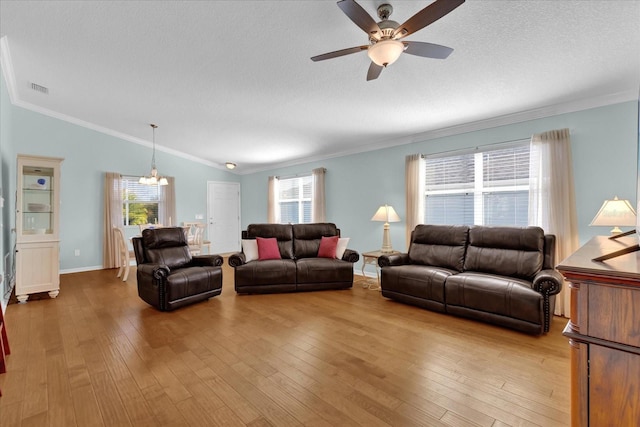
x=232 y=80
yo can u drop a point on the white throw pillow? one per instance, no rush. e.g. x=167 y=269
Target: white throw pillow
x=342 y=245
x=250 y=249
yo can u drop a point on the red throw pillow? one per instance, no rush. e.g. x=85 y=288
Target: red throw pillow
x=268 y=248
x=328 y=247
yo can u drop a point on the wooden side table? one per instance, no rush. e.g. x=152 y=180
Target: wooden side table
x=371 y=258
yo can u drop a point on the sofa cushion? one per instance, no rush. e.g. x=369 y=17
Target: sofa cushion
x=268 y=248
x=323 y=270
x=267 y=272
x=190 y=281
x=343 y=242
x=417 y=281
x=328 y=247
x=506 y=296
x=306 y=238
x=250 y=249
x=282 y=232
x=439 y=245
x=506 y=251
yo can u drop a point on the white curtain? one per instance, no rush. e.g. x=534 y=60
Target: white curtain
x=112 y=218
x=552 y=204
x=414 y=187
x=167 y=205
x=319 y=210
x=273 y=209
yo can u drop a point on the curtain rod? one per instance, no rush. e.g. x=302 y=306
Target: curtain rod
x=478 y=147
x=298 y=175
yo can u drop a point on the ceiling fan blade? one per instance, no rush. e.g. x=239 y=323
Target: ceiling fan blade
x=374 y=71
x=427 y=50
x=338 y=53
x=426 y=16
x=360 y=17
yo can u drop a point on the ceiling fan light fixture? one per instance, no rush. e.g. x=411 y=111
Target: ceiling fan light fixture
x=385 y=52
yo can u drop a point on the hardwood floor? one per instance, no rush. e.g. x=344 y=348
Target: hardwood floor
x=99 y=356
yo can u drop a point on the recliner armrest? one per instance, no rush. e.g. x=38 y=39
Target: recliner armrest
x=548 y=281
x=158 y=271
x=207 y=261
x=237 y=259
x=350 y=255
x=395 y=259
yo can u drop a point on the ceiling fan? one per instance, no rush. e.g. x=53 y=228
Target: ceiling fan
x=384 y=37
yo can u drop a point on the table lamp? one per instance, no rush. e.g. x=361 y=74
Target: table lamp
x=387 y=214
x=615 y=213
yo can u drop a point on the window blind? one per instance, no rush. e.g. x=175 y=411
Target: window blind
x=488 y=187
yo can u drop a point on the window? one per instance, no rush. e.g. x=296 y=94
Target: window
x=140 y=202
x=294 y=199
x=483 y=188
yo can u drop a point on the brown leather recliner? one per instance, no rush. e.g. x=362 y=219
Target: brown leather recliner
x=168 y=276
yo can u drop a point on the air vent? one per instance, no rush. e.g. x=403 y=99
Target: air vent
x=39 y=88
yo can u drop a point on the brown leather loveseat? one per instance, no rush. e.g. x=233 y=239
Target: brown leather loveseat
x=299 y=267
x=500 y=275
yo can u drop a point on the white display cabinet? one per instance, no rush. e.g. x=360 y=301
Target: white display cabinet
x=37 y=226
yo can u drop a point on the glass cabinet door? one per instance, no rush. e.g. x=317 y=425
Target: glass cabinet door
x=38 y=204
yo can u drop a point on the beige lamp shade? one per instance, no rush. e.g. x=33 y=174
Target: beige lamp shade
x=387 y=214
x=615 y=213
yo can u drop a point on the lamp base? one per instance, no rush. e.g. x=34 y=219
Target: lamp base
x=386 y=240
x=615 y=230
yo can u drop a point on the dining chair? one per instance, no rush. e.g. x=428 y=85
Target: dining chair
x=195 y=244
x=124 y=254
x=190 y=227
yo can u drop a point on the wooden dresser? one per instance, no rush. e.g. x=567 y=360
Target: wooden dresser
x=604 y=334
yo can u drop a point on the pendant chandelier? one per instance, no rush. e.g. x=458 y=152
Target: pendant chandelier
x=153 y=178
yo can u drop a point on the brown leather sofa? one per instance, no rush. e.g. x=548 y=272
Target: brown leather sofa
x=168 y=276
x=299 y=269
x=500 y=275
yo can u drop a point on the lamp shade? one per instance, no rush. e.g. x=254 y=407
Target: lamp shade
x=385 y=52
x=615 y=213
x=386 y=213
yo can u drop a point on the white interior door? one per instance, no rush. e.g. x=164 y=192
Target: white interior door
x=223 y=213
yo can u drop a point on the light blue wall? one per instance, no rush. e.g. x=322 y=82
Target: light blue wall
x=5 y=153
x=88 y=155
x=604 y=145
x=604 y=142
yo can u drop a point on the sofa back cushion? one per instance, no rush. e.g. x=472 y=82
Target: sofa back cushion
x=506 y=251
x=282 y=232
x=306 y=238
x=439 y=245
x=167 y=246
